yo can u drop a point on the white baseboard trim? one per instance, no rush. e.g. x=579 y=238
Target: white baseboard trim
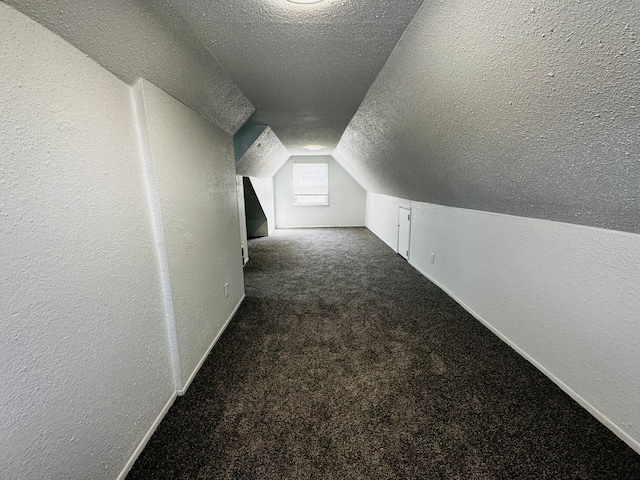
x=565 y=388
x=392 y=247
x=147 y=437
x=318 y=226
x=204 y=357
x=172 y=399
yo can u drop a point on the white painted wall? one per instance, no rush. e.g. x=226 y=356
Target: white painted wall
x=242 y=219
x=263 y=186
x=195 y=173
x=381 y=210
x=564 y=296
x=347 y=199
x=118 y=208
x=84 y=361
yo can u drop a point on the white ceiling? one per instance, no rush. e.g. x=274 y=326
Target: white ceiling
x=306 y=68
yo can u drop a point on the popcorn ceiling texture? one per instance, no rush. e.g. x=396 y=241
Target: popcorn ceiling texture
x=527 y=109
x=306 y=68
x=146 y=39
x=264 y=157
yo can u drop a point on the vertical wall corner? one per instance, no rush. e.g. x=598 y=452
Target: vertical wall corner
x=153 y=197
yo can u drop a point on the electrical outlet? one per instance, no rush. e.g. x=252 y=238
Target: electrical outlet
x=433 y=257
x=226 y=290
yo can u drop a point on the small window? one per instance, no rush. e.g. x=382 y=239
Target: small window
x=310 y=184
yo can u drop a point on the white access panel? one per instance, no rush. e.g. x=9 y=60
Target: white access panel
x=404 y=230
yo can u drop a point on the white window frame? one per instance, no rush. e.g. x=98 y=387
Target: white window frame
x=309 y=193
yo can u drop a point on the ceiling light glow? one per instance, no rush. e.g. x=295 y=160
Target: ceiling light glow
x=304 y=1
x=313 y=147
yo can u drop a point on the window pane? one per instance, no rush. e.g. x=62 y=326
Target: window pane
x=310 y=179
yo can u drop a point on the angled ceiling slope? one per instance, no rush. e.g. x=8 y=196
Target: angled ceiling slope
x=264 y=157
x=505 y=107
x=135 y=39
x=306 y=68
x=245 y=137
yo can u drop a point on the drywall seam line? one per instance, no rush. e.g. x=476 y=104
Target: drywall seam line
x=206 y=354
x=563 y=386
x=153 y=196
x=147 y=437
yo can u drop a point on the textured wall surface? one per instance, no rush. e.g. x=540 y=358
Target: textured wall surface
x=264 y=157
x=529 y=109
x=135 y=39
x=566 y=296
x=83 y=348
x=347 y=199
x=194 y=168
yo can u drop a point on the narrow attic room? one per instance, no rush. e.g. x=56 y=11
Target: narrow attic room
x=174 y=304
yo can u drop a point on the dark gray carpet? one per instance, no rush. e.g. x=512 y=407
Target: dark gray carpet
x=344 y=362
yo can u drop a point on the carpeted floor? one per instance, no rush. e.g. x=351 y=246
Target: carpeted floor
x=345 y=363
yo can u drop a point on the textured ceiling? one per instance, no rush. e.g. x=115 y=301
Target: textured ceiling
x=134 y=39
x=264 y=157
x=305 y=68
x=526 y=109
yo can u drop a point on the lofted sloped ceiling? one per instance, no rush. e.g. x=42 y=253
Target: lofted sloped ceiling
x=523 y=108
x=530 y=109
x=306 y=68
x=264 y=157
x=148 y=39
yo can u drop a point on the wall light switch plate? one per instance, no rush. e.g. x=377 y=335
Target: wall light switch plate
x=433 y=257
x=226 y=290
